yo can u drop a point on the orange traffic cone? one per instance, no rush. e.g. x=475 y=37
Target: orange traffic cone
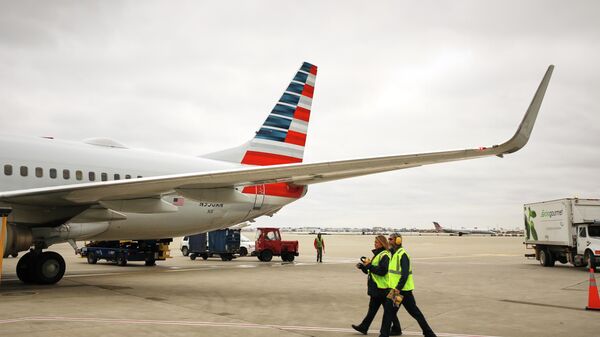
x=593 y=298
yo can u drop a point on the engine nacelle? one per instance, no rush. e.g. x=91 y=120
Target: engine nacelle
x=70 y=231
x=18 y=239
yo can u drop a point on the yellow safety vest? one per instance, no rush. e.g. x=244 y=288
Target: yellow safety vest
x=319 y=242
x=395 y=271
x=381 y=281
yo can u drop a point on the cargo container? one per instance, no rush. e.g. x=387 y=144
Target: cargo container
x=564 y=230
x=222 y=242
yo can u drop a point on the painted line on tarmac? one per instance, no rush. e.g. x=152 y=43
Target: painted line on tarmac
x=208 y=324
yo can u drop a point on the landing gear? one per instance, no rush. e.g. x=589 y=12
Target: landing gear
x=41 y=267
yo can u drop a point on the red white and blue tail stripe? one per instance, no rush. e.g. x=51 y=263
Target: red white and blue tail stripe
x=281 y=138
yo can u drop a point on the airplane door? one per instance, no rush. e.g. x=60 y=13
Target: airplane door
x=260 y=197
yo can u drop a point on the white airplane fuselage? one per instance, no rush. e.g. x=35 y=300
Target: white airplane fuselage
x=210 y=211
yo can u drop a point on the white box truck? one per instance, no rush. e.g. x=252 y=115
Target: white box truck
x=564 y=230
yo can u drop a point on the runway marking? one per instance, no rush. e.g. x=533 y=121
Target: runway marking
x=543 y=305
x=209 y=324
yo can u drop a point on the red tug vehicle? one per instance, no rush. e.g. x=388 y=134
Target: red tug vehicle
x=269 y=244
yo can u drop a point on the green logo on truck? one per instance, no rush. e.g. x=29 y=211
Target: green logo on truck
x=529 y=225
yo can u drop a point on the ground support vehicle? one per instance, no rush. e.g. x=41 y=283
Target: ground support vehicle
x=120 y=252
x=222 y=242
x=269 y=244
x=184 y=246
x=564 y=230
x=247 y=246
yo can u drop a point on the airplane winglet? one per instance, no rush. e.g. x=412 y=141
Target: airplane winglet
x=524 y=131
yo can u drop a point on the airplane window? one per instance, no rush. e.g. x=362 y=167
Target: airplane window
x=39 y=172
x=66 y=174
x=104 y=176
x=8 y=170
x=92 y=176
x=53 y=173
x=23 y=171
x=128 y=176
x=78 y=175
x=117 y=176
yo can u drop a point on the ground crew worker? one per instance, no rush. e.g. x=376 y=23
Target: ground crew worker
x=377 y=284
x=401 y=283
x=320 y=247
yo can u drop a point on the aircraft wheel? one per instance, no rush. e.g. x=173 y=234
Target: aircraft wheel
x=25 y=268
x=49 y=268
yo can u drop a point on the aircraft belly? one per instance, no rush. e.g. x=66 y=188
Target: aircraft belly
x=193 y=217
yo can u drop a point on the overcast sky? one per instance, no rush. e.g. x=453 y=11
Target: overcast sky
x=395 y=77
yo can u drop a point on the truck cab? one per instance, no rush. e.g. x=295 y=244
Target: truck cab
x=269 y=244
x=588 y=244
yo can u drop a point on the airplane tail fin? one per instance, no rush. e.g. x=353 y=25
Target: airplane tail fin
x=281 y=138
x=437 y=226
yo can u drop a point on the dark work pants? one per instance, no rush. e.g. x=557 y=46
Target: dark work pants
x=408 y=302
x=319 y=254
x=374 y=303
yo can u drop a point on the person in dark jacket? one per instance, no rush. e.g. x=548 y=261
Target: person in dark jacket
x=401 y=283
x=377 y=285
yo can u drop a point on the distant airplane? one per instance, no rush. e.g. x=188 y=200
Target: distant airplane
x=99 y=189
x=461 y=232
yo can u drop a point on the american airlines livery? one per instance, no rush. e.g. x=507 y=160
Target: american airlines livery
x=98 y=189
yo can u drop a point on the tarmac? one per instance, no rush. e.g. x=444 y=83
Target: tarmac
x=465 y=286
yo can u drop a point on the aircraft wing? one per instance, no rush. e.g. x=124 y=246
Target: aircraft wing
x=300 y=174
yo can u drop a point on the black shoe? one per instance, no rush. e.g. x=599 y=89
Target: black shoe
x=396 y=333
x=359 y=329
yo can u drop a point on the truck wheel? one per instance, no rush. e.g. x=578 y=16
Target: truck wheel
x=287 y=257
x=150 y=262
x=546 y=259
x=243 y=251
x=589 y=259
x=192 y=256
x=121 y=261
x=204 y=257
x=14 y=254
x=266 y=255
x=224 y=257
x=185 y=251
x=91 y=258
